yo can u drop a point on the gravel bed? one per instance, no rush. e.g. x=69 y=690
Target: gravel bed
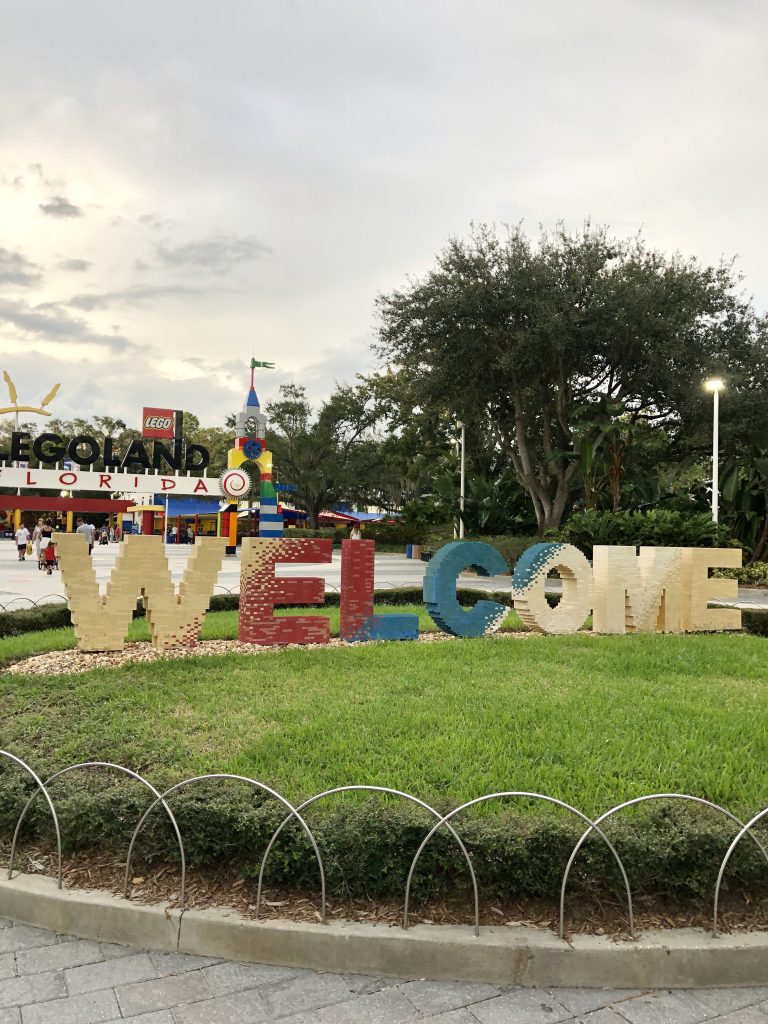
x=73 y=661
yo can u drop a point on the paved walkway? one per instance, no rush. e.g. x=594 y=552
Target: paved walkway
x=21 y=583
x=50 y=979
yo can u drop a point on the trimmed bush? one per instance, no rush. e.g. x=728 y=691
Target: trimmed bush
x=510 y=547
x=56 y=616
x=755 y=621
x=32 y=620
x=367 y=843
x=394 y=534
x=322 y=532
x=654 y=528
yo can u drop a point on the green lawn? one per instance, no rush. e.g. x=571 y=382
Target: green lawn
x=591 y=720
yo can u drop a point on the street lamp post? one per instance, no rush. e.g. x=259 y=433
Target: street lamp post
x=715 y=385
x=461 y=487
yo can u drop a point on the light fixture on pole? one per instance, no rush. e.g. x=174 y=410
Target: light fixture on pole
x=461 y=487
x=715 y=385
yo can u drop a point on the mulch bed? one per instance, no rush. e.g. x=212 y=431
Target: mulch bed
x=226 y=887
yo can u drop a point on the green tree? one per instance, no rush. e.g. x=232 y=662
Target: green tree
x=515 y=338
x=331 y=455
x=744 y=496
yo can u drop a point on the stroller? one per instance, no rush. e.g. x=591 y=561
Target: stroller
x=48 y=560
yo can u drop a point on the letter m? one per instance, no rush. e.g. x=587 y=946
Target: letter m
x=636 y=593
x=101 y=621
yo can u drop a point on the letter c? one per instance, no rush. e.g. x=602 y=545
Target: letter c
x=440 y=588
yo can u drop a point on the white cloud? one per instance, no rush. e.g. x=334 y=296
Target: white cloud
x=251 y=177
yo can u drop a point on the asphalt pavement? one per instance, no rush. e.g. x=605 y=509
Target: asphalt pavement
x=22 y=584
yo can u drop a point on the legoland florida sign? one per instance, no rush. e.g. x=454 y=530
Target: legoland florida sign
x=658 y=590
x=83 y=451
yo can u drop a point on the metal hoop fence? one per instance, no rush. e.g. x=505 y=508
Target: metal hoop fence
x=441 y=821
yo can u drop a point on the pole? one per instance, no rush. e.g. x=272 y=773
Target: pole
x=461 y=492
x=455 y=525
x=715 y=447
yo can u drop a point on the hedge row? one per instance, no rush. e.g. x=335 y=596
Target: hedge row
x=755 y=621
x=367 y=844
x=395 y=535
x=56 y=616
x=652 y=528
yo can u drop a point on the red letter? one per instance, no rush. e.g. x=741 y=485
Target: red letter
x=168 y=485
x=357 y=619
x=261 y=590
x=30 y=481
x=105 y=480
x=72 y=479
x=200 y=486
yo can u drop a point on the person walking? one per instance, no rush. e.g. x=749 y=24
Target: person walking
x=46 y=534
x=22 y=539
x=83 y=528
x=49 y=547
x=37 y=537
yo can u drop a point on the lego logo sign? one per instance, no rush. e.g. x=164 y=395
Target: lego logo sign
x=158 y=423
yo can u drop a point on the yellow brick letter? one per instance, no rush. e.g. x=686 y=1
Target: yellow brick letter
x=101 y=621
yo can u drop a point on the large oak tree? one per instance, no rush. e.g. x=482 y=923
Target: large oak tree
x=517 y=337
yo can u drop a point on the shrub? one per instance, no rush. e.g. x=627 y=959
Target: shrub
x=323 y=532
x=654 y=528
x=367 y=843
x=510 y=547
x=755 y=574
x=755 y=621
x=56 y=616
x=32 y=620
x=397 y=534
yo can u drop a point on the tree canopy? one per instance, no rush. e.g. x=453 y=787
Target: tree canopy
x=332 y=454
x=523 y=340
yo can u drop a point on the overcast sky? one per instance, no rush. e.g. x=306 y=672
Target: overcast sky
x=184 y=184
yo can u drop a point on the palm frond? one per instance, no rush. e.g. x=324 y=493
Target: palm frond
x=50 y=396
x=11 y=388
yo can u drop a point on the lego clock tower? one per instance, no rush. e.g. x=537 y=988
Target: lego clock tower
x=251 y=446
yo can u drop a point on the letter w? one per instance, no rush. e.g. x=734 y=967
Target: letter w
x=101 y=621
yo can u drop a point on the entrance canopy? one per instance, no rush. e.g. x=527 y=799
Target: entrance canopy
x=39 y=503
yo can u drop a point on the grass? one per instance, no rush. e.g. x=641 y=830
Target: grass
x=590 y=720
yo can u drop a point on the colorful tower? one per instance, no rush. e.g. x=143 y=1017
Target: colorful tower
x=251 y=446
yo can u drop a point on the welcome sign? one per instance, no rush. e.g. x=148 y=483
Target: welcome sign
x=655 y=590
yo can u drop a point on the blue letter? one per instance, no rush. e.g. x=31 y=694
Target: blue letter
x=440 y=588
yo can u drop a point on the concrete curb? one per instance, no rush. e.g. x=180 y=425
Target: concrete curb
x=682 y=958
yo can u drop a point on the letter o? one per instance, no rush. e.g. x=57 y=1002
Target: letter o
x=529 y=583
x=83 y=441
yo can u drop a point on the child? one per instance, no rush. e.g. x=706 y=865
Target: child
x=49 y=557
x=22 y=538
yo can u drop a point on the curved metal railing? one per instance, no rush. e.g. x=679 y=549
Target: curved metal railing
x=441 y=821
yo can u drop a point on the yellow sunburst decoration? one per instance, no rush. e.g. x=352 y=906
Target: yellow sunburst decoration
x=13 y=395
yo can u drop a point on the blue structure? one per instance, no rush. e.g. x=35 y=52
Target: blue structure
x=440 y=588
